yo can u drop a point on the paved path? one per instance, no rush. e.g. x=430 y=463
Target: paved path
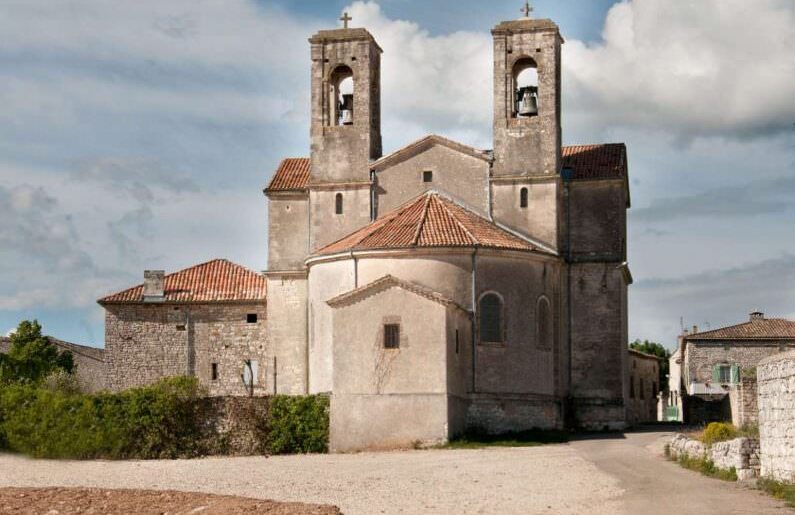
x=593 y=476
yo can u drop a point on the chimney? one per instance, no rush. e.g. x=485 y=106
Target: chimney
x=154 y=285
x=757 y=315
x=695 y=329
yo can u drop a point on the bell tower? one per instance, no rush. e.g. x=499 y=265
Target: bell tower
x=527 y=134
x=345 y=130
x=346 y=104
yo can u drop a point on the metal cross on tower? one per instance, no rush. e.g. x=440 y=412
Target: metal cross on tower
x=526 y=9
x=345 y=19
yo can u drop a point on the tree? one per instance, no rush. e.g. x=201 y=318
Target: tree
x=655 y=349
x=32 y=356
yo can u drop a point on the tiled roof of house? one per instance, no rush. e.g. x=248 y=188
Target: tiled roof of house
x=292 y=174
x=757 y=328
x=94 y=353
x=641 y=354
x=218 y=280
x=429 y=220
x=604 y=161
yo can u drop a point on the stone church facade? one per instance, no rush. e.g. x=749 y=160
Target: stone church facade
x=439 y=288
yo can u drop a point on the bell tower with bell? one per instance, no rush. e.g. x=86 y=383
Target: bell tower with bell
x=527 y=132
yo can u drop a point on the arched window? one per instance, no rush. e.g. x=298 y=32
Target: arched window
x=525 y=87
x=523 y=197
x=338 y=204
x=544 y=333
x=490 y=318
x=341 y=96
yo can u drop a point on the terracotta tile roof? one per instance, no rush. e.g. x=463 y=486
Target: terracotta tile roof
x=386 y=282
x=218 y=280
x=761 y=328
x=429 y=220
x=292 y=174
x=93 y=353
x=605 y=161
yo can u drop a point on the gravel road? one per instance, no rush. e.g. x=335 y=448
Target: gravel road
x=604 y=476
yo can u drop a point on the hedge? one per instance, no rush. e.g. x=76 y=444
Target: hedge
x=169 y=419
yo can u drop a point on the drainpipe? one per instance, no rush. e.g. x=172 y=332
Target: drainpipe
x=474 y=317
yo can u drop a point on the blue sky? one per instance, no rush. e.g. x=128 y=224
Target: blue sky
x=140 y=135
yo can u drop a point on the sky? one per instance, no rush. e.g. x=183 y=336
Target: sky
x=140 y=135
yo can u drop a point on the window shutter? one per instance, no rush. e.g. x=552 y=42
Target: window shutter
x=716 y=373
x=735 y=374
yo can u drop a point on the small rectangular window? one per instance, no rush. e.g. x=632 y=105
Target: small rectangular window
x=427 y=176
x=181 y=327
x=391 y=336
x=456 y=341
x=251 y=318
x=214 y=371
x=250 y=372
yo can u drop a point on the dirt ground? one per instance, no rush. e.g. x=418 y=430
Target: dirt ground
x=64 y=501
x=598 y=474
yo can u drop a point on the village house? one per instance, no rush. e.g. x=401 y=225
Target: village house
x=644 y=377
x=89 y=361
x=436 y=289
x=713 y=373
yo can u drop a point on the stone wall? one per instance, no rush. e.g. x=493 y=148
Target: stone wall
x=89 y=362
x=742 y=397
x=701 y=356
x=776 y=397
x=147 y=342
x=643 y=379
x=742 y=454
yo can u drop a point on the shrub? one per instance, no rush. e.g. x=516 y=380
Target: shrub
x=158 y=421
x=298 y=424
x=707 y=468
x=718 y=432
x=779 y=490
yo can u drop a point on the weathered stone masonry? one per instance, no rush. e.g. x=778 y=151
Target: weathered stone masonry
x=776 y=384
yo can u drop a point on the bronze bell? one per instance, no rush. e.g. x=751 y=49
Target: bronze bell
x=346 y=109
x=527 y=101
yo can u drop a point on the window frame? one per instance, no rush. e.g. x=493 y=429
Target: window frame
x=500 y=322
x=391 y=336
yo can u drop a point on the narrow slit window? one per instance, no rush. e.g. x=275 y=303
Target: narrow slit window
x=427 y=176
x=632 y=387
x=338 y=204
x=214 y=372
x=456 y=341
x=251 y=318
x=391 y=336
x=523 y=194
x=491 y=318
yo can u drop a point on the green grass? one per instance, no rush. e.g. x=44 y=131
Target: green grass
x=707 y=468
x=517 y=439
x=779 y=490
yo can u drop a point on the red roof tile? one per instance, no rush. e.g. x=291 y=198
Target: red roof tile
x=762 y=328
x=429 y=220
x=218 y=280
x=605 y=161
x=292 y=174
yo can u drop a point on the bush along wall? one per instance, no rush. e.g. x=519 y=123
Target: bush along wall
x=169 y=419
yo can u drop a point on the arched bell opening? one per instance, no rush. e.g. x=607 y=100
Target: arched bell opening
x=341 y=96
x=525 y=88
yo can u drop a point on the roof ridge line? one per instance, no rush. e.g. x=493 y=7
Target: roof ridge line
x=423 y=217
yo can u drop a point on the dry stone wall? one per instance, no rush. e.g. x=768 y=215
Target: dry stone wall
x=742 y=454
x=776 y=398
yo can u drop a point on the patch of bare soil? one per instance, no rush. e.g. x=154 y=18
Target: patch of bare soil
x=61 y=501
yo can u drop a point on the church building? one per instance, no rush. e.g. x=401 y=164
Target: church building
x=443 y=288
x=430 y=291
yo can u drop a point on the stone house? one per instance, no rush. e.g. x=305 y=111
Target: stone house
x=206 y=321
x=644 y=377
x=432 y=290
x=708 y=368
x=89 y=361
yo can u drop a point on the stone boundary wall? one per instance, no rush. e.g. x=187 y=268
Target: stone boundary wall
x=776 y=391
x=742 y=398
x=740 y=453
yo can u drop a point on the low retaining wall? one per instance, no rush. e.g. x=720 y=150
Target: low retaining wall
x=776 y=400
x=740 y=453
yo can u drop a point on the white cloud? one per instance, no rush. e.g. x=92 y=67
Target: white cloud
x=692 y=68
